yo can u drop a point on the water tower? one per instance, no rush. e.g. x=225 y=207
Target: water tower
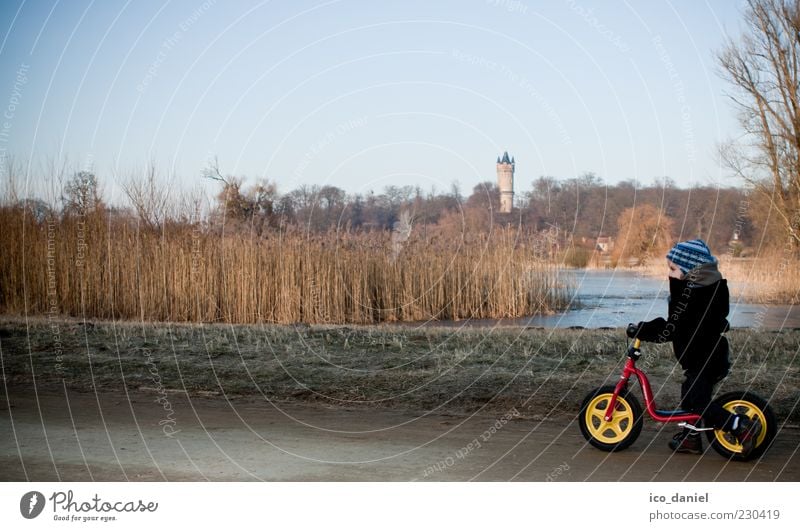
x=505 y=182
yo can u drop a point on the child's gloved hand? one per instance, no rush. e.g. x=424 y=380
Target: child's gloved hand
x=633 y=330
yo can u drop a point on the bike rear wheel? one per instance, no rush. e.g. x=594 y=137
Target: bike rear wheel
x=619 y=432
x=754 y=407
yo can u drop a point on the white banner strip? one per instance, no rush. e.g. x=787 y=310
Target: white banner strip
x=370 y=506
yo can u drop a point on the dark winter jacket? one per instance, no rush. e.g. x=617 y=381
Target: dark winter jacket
x=698 y=308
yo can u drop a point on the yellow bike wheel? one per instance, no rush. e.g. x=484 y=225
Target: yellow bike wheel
x=753 y=407
x=621 y=430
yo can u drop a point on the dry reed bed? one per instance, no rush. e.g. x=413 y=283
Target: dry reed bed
x=765 y=280
x=770 y=279
x=99 y=268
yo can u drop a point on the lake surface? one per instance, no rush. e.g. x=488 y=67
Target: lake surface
x=614 y=298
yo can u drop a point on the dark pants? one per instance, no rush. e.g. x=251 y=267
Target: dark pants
x=696 y=393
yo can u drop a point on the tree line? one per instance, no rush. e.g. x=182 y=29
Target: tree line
x=573 y=212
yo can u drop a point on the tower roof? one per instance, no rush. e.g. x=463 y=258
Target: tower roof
x=506 y=160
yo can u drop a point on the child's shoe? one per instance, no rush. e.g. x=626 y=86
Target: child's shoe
x=687 y=442
x=747 y=433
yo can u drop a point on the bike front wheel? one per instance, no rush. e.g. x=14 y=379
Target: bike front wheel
x=753 y=407
x=619 y=432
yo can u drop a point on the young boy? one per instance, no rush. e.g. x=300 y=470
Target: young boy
x=698 y=308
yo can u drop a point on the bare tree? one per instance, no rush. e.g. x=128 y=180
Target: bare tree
x=54 y=172
x=764 y=68
x=400 y=233
x=234 y=205
x=644 y=231
x=12 y=170
x=81 y=194
x=212 y=172
x=148 y=196
x=194 y=206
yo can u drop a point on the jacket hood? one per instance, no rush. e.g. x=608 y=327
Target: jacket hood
x=703 y=275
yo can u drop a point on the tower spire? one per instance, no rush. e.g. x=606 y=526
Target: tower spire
x=505 y=182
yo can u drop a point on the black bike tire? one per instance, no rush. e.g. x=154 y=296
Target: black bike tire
x=770 y=430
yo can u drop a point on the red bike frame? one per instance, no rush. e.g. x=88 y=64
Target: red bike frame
x=650 y=404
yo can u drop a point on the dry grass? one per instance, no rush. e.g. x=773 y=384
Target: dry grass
x=96 y=267
x=540 y=372
x=772 y=279
x=767 y=280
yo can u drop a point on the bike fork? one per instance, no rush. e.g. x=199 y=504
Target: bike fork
x=621 y=386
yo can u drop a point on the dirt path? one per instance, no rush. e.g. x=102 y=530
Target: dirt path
x=80 y=437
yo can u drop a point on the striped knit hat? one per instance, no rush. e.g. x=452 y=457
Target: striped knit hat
x=690 y=254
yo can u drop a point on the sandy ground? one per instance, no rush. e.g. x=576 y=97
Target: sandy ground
x=117 y=436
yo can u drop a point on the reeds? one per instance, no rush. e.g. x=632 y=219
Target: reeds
x=769 y=279
x=773 y=279
x=106 y=267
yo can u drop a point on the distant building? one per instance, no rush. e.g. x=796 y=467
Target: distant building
x=605 y=244
x=735 y=245
x=505 y=182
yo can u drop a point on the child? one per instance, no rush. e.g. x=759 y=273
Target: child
x=698 y=307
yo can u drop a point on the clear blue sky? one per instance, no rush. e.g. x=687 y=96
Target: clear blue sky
x=362 y=94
